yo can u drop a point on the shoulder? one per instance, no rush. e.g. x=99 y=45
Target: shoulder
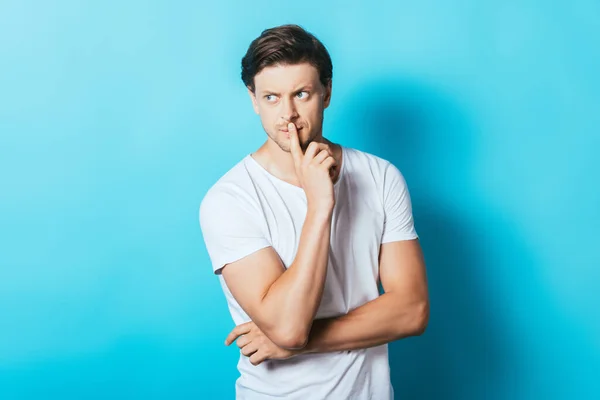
x=362 y=162
x=233 y=190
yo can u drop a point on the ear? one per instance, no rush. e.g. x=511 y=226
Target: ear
x=327 y=96
x=253 y=98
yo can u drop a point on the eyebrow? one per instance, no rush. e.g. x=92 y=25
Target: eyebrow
x=300 y=89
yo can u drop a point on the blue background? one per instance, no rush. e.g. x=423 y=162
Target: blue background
x=116 y=117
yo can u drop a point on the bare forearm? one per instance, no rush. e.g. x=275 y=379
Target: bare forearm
x=293 y=299
x=379 y=321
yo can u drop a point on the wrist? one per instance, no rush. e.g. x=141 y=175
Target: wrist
x=320 y=213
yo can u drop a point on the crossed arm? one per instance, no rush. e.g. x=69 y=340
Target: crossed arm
x=402 y=311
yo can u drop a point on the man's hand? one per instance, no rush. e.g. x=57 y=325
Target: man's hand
x=314 y=170
x=257 y=345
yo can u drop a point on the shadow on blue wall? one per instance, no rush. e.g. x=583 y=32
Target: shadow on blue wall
x=468 y=348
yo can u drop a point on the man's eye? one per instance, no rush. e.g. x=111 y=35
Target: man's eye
x=302 y=95
x=270 y=97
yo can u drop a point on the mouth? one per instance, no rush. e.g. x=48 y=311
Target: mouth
x=287 y=131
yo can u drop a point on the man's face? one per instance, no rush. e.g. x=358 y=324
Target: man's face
x=290 y=93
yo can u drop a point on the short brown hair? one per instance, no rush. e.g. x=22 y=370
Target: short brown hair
x=286 y=45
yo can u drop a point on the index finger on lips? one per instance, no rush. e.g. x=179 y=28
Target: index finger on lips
x=295 y=143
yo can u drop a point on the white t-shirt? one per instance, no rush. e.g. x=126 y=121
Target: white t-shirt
x=249 y=209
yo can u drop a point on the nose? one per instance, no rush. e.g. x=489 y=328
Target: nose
x=288 y=111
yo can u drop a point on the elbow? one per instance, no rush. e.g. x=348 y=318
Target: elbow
x=420 y=318
x=291 y=339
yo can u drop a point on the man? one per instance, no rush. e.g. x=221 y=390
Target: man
x=302 y=231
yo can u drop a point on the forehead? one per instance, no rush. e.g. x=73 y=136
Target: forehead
x=283 y=77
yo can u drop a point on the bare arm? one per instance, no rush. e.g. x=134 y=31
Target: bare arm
x=402 y=311
x=283 y=303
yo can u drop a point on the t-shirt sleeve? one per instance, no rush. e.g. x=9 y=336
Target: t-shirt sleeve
x=231 y=228
x=398 y=222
